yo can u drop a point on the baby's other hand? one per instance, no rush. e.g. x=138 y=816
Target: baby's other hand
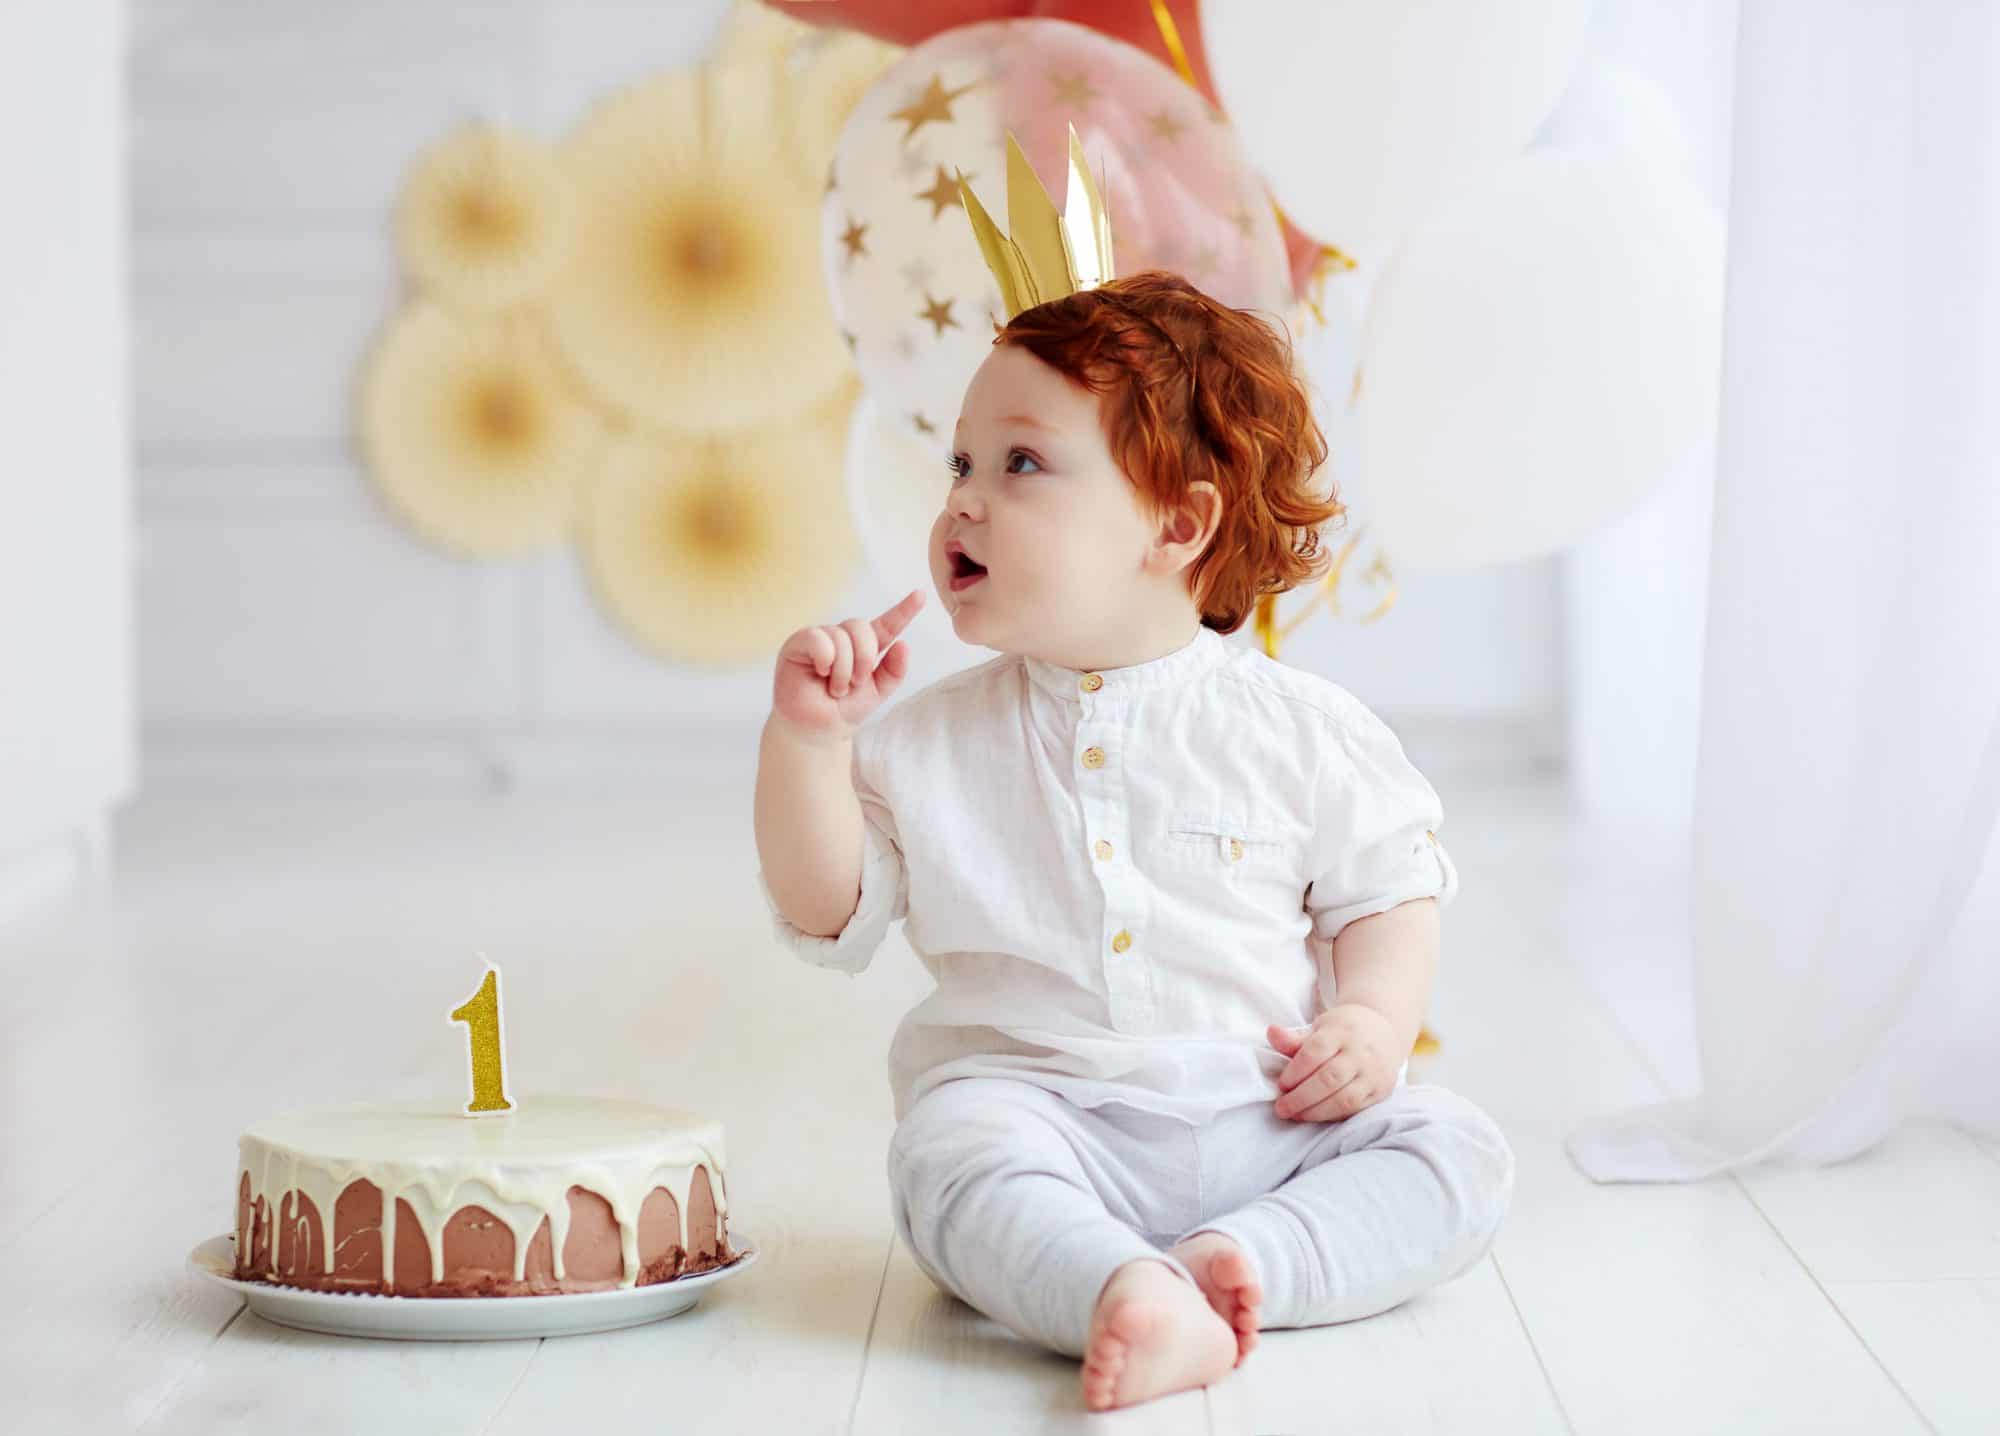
x=1345 y=1061
x=832 y=676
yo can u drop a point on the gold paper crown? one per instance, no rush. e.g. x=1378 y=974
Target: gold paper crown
x=1048 y=255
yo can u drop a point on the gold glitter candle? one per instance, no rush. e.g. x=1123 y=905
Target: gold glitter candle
x=484 y=1037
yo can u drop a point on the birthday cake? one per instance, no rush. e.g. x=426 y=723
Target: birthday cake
x=561 y=1194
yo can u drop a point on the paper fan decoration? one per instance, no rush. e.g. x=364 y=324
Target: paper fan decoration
x=712 y=549
x=752 y=32
x=821 y=73
x=483 y=220
x=831 y=71
x=694 y=298
x=471 y=433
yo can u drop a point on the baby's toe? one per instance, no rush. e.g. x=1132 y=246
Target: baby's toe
x=1103 y=1364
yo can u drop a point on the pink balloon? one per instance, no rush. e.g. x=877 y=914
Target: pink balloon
x=1181 y=193
x=910 y=291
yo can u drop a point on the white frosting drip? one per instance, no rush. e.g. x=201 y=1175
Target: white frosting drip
x=518 y=1165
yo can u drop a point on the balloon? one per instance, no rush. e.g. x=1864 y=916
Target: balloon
x=1540 y=354
x=910 y=291
x=896 y=489
x=1132 y=21
x=1363 y=114
x=900 y=20
x=1610 y=103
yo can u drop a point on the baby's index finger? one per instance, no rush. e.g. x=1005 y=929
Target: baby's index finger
x=897 y=618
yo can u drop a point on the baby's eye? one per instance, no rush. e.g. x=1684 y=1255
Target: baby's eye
x=1020 y=454
x=955 y=463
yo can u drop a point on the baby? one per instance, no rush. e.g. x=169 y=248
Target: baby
x=1140 y=1118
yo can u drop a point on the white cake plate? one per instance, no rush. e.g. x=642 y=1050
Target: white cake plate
x=477 y=1318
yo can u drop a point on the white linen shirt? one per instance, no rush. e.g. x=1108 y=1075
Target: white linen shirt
x=1117 y=877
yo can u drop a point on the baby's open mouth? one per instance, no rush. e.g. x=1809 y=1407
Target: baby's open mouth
x=965 y=571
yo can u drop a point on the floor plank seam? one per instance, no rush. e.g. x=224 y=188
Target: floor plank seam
x=1521 y=1318
x=522 y=1376
x=174 y=1390
x=27 y=1228
x=1827 y=1296
x=868 y=1341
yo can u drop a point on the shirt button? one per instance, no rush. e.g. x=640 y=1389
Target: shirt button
x=1091 y=682
x=1432 y=836
x=1103 y=850
x=1235 y=850
x=1093 y=757
x=1122 y=941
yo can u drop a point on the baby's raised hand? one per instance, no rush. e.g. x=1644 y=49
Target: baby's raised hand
x=1345 y=1061
x=829 y=678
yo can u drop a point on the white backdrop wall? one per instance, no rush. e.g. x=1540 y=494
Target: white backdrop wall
x=292 y=633
x=66 y=710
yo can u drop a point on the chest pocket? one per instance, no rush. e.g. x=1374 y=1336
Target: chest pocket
x=1224 y=849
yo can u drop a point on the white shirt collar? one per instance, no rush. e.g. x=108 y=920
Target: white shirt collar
x=1195 y=656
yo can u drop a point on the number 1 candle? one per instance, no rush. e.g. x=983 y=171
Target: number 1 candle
x=486 y=1040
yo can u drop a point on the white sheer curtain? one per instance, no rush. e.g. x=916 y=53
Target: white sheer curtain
x=1845 y=914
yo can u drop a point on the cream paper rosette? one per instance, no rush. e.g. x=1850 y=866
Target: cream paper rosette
x=693 y=298
x=483 y=220
x=754 y=32
x=470 y=432
x=712 y=548
x=830 y=71
x=822 y=72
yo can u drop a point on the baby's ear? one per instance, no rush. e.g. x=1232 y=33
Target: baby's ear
x=1191 y=525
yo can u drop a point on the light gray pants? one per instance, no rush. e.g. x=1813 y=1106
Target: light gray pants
x=1022 y=1204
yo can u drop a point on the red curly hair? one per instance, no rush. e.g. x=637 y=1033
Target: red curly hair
x=1190 y=390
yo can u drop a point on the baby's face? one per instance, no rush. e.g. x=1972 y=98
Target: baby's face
x=1041 y=503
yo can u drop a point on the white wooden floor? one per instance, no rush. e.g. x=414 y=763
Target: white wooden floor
x=256 y=954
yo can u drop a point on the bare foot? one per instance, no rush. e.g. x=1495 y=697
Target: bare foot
x=1152 y=1333
x=1228 y=1281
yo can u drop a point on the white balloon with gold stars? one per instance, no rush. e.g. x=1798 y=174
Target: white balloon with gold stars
x=896 y=488
x=914 y=299
x=911 y=293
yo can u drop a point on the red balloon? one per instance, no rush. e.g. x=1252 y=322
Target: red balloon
x=900 y=21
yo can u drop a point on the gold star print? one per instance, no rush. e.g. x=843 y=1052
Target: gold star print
x=924 y=425
x=1166 y=126
x=1074 y=90
x=933 y=104
x=943 y=193
x=938 y=311
x=851 y=237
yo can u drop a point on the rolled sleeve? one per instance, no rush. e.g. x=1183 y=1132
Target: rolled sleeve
x=885 y=891
x=1376 y=842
